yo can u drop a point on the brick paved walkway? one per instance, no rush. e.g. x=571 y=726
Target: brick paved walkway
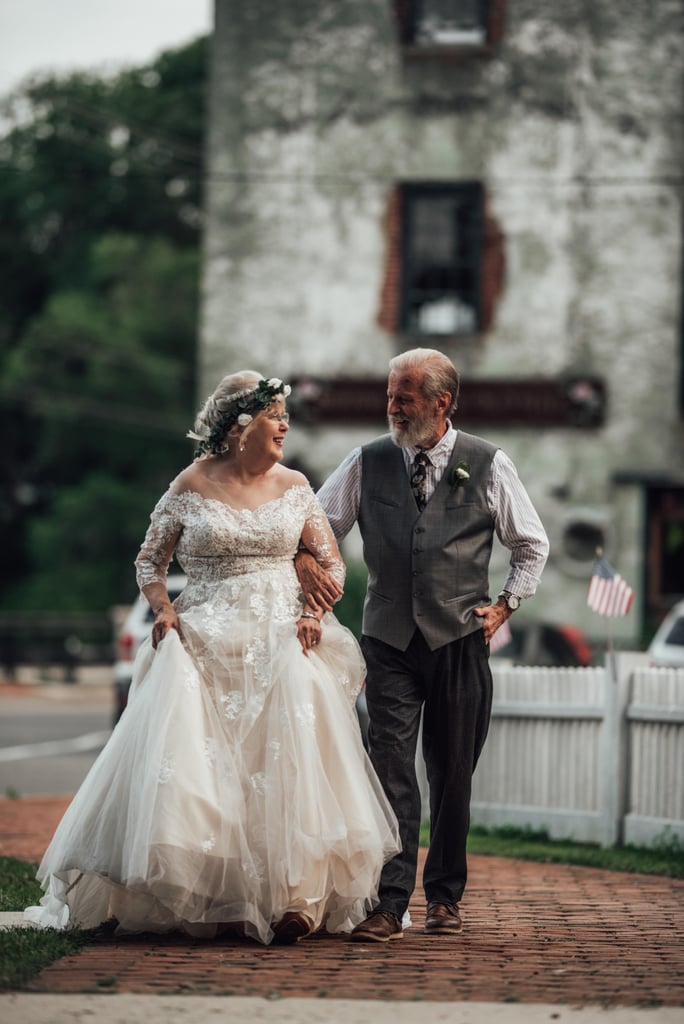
x=535 y=933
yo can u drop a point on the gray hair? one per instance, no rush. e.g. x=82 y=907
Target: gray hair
x=438 y=372
x=212 y=415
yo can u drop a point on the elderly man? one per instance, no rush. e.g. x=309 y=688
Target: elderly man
x=428 y=500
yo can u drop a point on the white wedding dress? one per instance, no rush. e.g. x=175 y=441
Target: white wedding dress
x=235 y=787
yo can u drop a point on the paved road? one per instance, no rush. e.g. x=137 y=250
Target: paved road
x=50 y=735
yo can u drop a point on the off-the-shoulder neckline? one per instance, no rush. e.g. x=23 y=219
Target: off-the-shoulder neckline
x=231 y=508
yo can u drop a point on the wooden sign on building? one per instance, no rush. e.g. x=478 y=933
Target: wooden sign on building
x=577 y=402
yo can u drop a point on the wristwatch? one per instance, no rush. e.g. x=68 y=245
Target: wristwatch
x=512 y=601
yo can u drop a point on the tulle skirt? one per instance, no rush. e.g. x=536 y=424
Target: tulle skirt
x=235 y=788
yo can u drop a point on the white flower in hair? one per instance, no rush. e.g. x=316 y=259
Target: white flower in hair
x=233 y=409
x=276 y=384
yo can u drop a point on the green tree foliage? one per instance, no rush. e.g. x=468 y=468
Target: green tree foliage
x=100 y=199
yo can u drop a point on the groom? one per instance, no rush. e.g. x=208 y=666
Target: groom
x=428 y=500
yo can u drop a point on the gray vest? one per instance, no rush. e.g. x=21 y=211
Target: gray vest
x=427 y=569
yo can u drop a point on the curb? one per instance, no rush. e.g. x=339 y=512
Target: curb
x=39 y=1009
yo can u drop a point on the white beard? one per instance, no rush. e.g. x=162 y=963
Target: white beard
x=416 y=433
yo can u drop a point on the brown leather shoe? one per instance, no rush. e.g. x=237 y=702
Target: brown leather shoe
x=378 y=927
x=443 y=919
x=292 y=927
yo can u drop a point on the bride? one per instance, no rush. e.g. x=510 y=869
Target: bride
x=234 y=794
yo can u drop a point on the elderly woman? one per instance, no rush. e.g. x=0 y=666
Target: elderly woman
x=235 y=793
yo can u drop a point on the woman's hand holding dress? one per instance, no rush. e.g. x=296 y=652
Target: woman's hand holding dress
x=309 y=630
x=164 y=620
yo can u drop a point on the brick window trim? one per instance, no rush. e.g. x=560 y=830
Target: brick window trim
x=496 y=26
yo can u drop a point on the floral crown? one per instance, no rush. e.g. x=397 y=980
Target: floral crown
x=241 y=409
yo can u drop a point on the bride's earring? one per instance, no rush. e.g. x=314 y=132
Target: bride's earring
x=242 y=446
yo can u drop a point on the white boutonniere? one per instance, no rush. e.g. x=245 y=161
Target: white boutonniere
x=459 y=474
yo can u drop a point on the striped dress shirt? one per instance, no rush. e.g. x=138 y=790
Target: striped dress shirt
x=516 y=522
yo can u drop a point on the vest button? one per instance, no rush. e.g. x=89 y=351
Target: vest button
x=420 y=529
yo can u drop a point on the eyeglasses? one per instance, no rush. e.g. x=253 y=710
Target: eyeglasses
x=282 y=417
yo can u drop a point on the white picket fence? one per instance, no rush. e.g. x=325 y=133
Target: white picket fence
x=595 y=755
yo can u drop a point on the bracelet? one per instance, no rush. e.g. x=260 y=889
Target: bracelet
x=309 y=615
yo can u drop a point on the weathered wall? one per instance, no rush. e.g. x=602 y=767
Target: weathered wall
x=293 y=243
x=574 y=128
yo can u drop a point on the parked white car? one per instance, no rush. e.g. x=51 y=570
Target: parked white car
x=136 y=627
x=666 y=649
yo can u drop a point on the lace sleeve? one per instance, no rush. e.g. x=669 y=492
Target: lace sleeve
x=156 y=551
x=318 y=538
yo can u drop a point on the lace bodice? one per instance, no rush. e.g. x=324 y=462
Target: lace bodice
x=213 y=542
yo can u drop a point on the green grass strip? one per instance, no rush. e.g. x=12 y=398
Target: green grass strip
x=666 y=857
x=25 y=952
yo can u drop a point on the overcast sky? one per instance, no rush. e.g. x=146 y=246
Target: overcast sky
x=95 y=35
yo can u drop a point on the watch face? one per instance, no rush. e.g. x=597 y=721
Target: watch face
x=513 y=602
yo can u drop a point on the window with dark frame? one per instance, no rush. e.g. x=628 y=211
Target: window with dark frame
x=449 y=22
x=433 y=27
x=665 y=548
x=441 y=258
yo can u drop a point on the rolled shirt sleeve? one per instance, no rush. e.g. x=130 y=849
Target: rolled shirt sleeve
x=517 y=526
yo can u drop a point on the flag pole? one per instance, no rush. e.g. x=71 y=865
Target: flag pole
x=610 y=595
x=610 y=640
x=610 y=651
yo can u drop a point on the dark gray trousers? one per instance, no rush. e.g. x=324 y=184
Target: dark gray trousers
x=453 y=688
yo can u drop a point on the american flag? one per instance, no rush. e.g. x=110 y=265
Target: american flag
x=608 y=592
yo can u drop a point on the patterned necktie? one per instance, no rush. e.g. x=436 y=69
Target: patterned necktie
x=419 y=481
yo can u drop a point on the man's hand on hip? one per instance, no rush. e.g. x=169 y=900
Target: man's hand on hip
x=493 y=616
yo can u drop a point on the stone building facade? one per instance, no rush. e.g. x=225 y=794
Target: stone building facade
x=500 y=180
